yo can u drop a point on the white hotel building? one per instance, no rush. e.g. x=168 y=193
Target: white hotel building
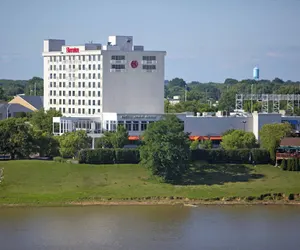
x=97 y=87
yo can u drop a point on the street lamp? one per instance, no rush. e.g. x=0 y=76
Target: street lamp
x=7 y=110
x=244 y=122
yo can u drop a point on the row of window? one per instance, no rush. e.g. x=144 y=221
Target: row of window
x=83 y=75
x=75 y=93
x=79 y=57
x=72 y=102
x=73 y=67
x=73 y=85
x=77 y=111
x=122 y=66
x=145 y=58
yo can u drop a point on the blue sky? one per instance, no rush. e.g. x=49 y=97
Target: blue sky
x=205 y=40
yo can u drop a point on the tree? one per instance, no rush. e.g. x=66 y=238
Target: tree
x=35 y=86
x=103 y=142
x=194 y=145
x=43 y=121
x=16 y=138
x=271 y=135
x=238 y=139
x=227 y=101
x=119 y=138
x=206 y=144
x=45 y=144
x=165 y=149
x=70 y=143
x=2 y=97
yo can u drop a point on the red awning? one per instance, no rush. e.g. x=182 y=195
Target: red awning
x=194 y=137
x=216 y=138
x=133 y=138
x=199 y=137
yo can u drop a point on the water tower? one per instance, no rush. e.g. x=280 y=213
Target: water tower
x=256 y=73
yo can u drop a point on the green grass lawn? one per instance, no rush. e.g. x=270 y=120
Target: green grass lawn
x=30 y=181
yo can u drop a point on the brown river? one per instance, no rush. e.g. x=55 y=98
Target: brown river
x=151 y=228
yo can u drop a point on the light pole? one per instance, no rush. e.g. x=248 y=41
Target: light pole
x=7 y=110
x=244 y=122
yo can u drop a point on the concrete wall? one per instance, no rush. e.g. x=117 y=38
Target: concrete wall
x=133 y=90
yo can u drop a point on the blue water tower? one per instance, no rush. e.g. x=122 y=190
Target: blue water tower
x=256 y=73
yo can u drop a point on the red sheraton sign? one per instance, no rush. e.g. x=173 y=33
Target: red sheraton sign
x=72 y=50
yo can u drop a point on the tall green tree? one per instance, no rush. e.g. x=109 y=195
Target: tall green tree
x=165 y=149
x=16 y=138
x=119 y=138
x=45 y=144
x=271 y=135
x=72 y=142
x=237 y=139
x=43 y=121
x=35 y=86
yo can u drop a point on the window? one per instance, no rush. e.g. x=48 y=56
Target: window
x=60 y=67
x=54 y=76
x=60 y=93
x=73 y=93
x=94 y=58
x=73 y=110
x=94 y=111
x=54 y=59
x=83 y=93
x=149 y=67
x=99 y=85
x=64 y=67
x=94 y=102
x=50 y=101
x=89 y=94
x=94 y=93
x=69 y=110
x=64 y=93
x=73 y=84
x=83 y=111
x=79 y=111
x=135 y=126
x=83 y=58
x=83 y=76
x=99 y=93
x=98 y=75
x=89 y=102
x=120 y=123
x=94 y=85
x=90 y=76
x=143 y=125
x=70 y=66
x=64 y=110
x=79 y=84
x=83 y=102
x=79 y=76
x=50 y=58
x=73 y=66
x=99 y=102
x=70 y=84
x=54 y=101
x=94 y=76
x=64 y=101
x=113 y=126
x=90 y=67
x=117 y=57
x=99 y=111
x=50 y=84
x=117 y=66
x=70 y=93
x=149 y=58
x=59 y=75
x=54 y=93
x=89 y=84
x=50 y=67
x=79 y=93
x=64 y=76
x=128 y=125
x=59 y=109
x=94 y=67
x=51 y=76
x=64 y=58
x=60 y=84
x=54 y=83
x=50 y=92
x=79 y=66
x=73 y=102
x=90 y=58
x=69 y=102
x=83 y=84
x=89 y=111
x=98 y=66
x=83 y=67
x=59 y=101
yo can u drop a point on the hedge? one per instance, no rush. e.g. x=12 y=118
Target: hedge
x=292 y=164
x=109 y=156
x=242 y=156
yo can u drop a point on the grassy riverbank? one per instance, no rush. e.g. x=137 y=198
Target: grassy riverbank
x=47 y=182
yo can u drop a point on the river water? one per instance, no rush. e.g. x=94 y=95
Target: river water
x=151 y=228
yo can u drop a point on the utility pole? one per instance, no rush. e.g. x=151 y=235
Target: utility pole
x=35 y=88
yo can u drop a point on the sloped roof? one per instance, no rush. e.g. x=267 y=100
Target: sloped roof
x=35 y=101
x=290 y=141
x=13 y=108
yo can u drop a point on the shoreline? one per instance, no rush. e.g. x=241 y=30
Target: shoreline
x=162 y=202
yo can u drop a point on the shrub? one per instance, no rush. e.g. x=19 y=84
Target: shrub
x=97 y=156
x=59 y=159
x=124 y=155
x=242 y=156
x=283 y=164
x=109 y=156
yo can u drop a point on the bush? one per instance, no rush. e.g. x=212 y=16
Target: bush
x=124 y=155
x=59 y=159
x=242 y=156
x=109 y=156
x=97 y=156
x=283 y=165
